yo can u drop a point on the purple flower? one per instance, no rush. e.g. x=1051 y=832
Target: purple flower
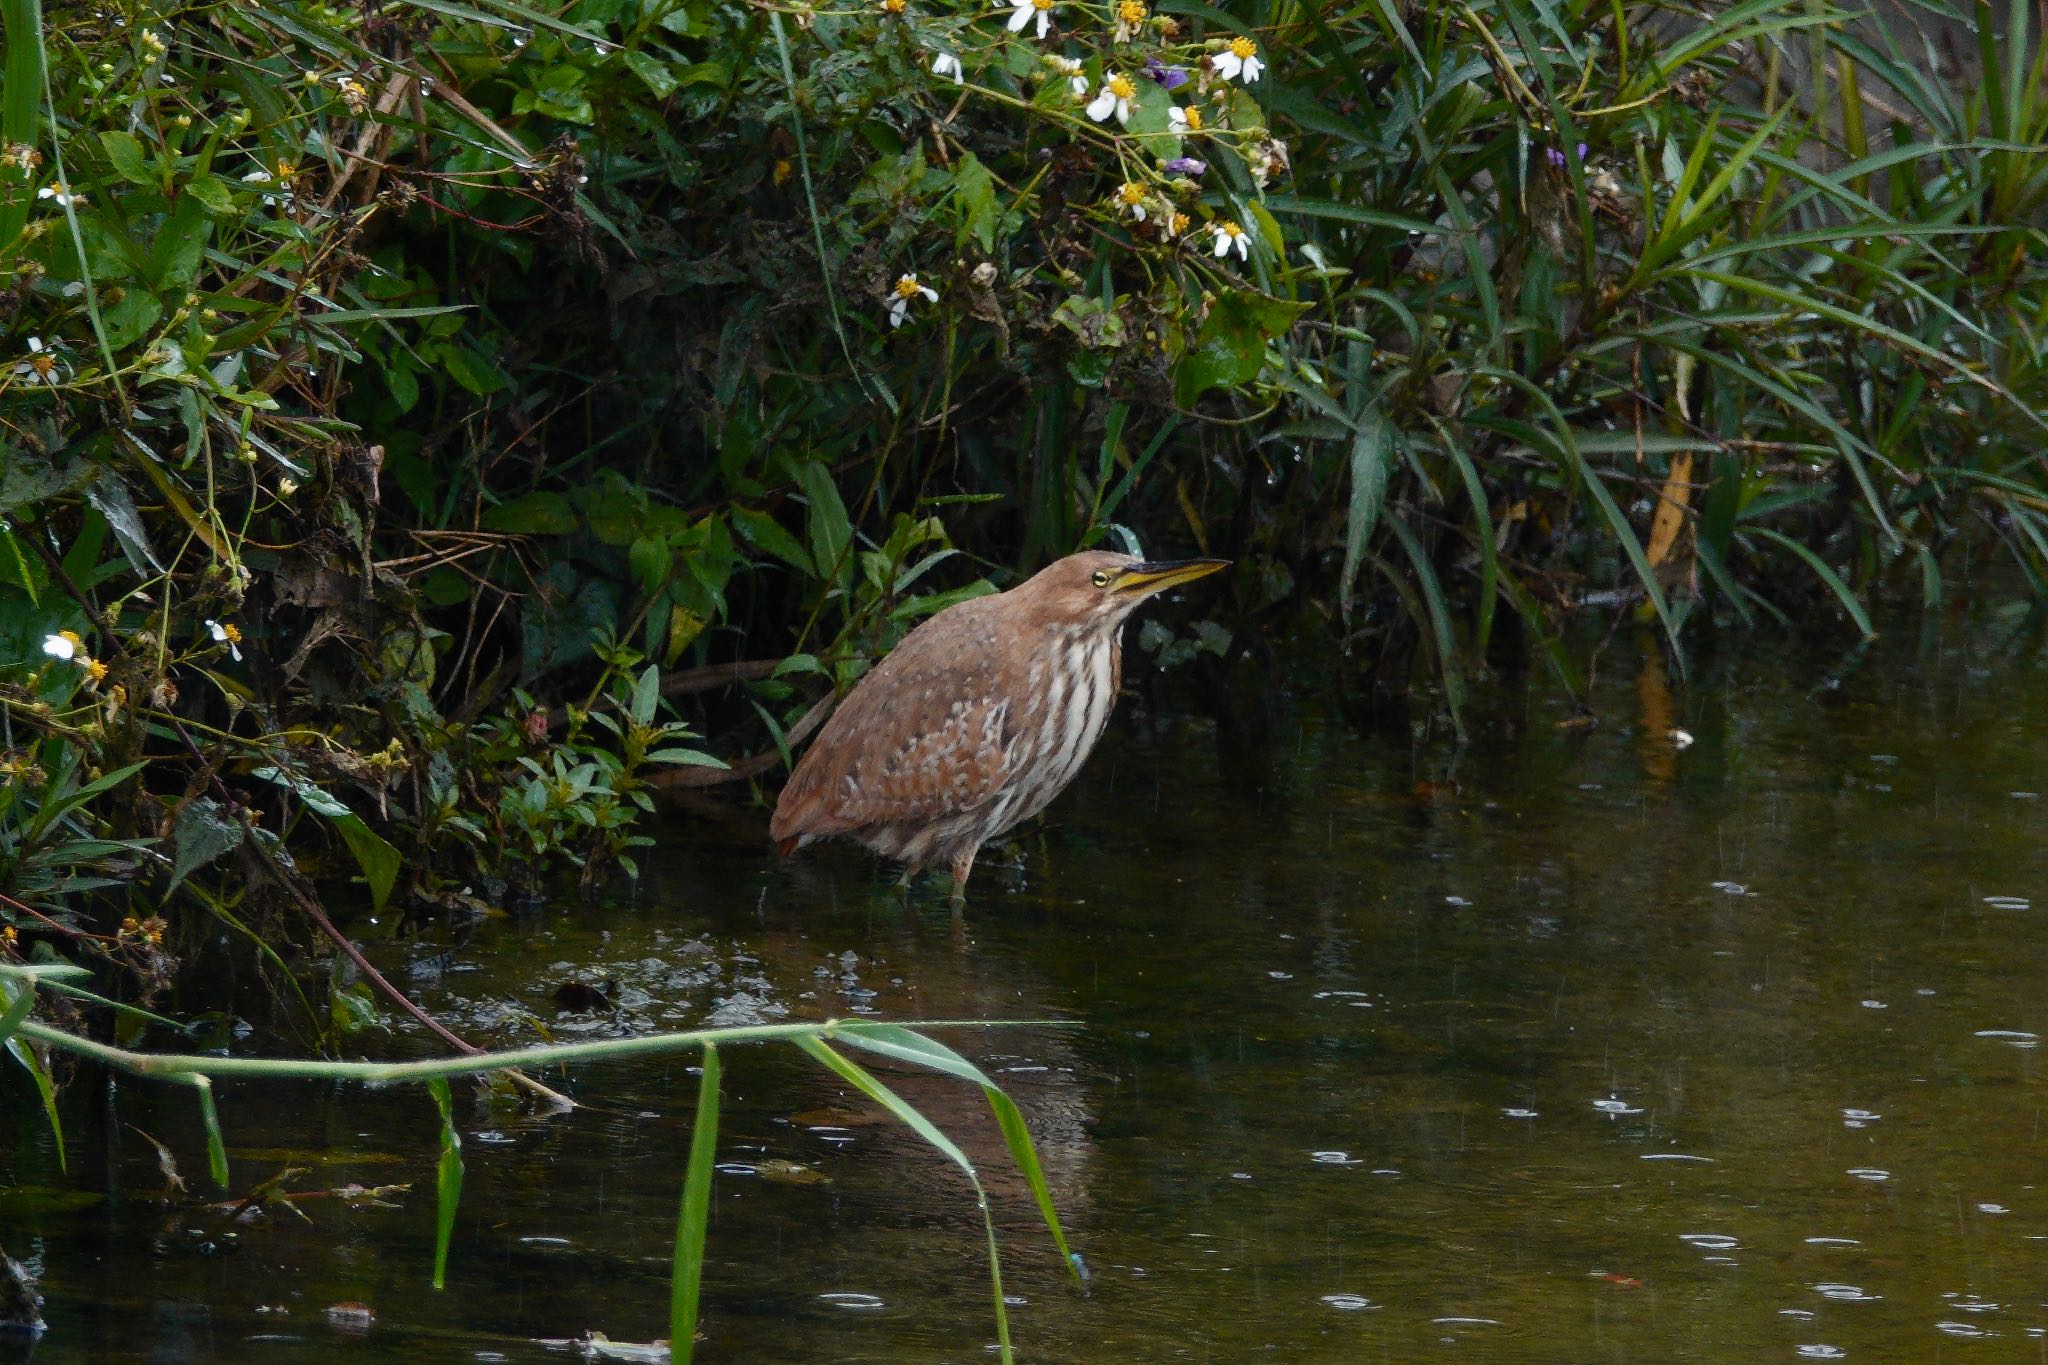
x=1557 y=159
x=1186 y=165
x=1172 y=77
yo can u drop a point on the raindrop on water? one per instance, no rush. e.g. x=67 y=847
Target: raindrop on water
x=1962 y=1329
x=1615 y=1107
x=1869 y=1173
x=1709 y=1241
x=852 y=1302
x=1845 y=1293
x=1349 y=1303
x=2008 y=902
x=1518 y=1113
x=1818 y=1351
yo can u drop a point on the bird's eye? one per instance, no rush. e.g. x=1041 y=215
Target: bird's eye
x=1100 y=578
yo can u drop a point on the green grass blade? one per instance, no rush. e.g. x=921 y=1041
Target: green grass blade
x=1823 y=571
x=21 y=998
x=1439 y=620
x=687 y=1278
x=907 y=1114
x=45 y=1088
x=447 y=1179
x=891 y=1040
x=209 y=1119
x=19 y=102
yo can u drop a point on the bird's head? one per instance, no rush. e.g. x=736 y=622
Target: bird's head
x=1097 y=589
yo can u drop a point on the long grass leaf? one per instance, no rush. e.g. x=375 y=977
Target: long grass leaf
x=1823 y=570
x=46 y=1089
x=907 y=1114
x=909 y=1046
x=693 y=1218
x=447 y=1179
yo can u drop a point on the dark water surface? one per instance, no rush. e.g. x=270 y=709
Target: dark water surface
x=1577 y=1046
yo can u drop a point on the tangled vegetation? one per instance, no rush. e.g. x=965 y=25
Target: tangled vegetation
x=408 y=407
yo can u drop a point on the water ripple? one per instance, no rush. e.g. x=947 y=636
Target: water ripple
x=1349 y=1303
x=852 y=1302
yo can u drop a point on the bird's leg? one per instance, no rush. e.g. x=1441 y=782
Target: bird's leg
x=963 y=867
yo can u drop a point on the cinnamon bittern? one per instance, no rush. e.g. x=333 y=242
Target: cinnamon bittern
x=978 y=719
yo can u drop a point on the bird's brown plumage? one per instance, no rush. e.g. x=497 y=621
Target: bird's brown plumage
x=977 y=720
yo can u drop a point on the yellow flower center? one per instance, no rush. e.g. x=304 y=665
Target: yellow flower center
x=1041 y=5
x=1179 y=224
x=1122 y=88
x=1231 y=230
x=1244 y=48
x=95 y=670
x=1194 y=119
x=893 y=6
x=233 y=632
x=285 y=170
x=45 y=365
x=72 y=636
x=906 y=287
x=1131 y=194
x=1131 y=12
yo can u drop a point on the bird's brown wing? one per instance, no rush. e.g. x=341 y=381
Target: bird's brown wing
x=923 y=736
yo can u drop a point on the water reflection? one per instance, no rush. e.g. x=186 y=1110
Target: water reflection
x=1583 y=1044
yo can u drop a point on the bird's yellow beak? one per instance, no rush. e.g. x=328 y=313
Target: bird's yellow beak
x=1143 y=580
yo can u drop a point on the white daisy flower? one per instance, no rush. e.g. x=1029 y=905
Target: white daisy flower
x=1114 y=98
x=907 y=288
x=63 y=645
x=42 y=365
x=1026 y=10
x=1241 y=58
x=1185 y=121
x=231 y=637
x=1071 y=69
x=1230 y=236
x=1131 y=198
x=946 y=64
x=62 y=193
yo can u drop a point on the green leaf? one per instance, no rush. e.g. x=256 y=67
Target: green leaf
x=687 y=1275
x=646 y=696
x=830 y=533
x=763 y=532
x=1372 y=459
x=22 y=998
x=203 y=832
x=469 y=368
x=533 y=514
x=377 y=858
x=892 y=1040
x=209 y=1119
x=447 y=1180
x=125 y=155
x=976 y=192
x=1230 y=348
x=908 y=1115
x=212 y=193
x=652 y=71
x=46 y=1088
